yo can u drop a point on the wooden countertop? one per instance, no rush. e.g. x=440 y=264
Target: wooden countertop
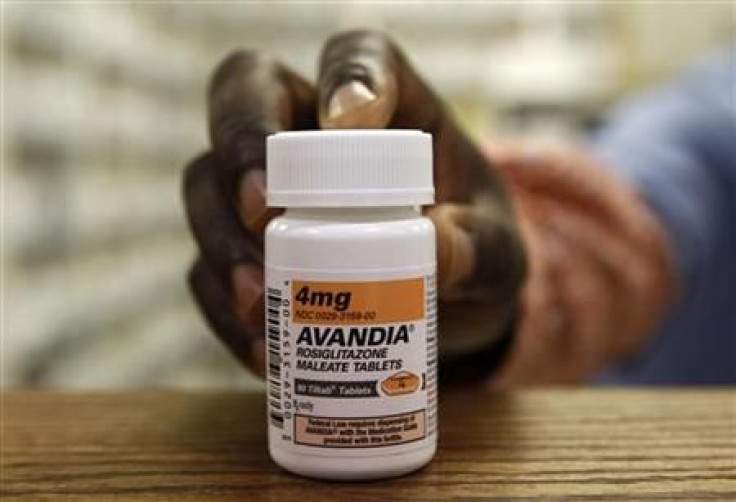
x=544 y=444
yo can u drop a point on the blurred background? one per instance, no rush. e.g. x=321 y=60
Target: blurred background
x=104 y=103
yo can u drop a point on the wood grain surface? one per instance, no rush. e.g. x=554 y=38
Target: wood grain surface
x=545 y=444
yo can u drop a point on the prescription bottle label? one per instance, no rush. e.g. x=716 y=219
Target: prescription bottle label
x=351 y=361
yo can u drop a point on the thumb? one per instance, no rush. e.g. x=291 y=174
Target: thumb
x=357 y=85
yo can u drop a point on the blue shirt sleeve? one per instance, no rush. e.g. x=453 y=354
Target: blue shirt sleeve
x=677 y=145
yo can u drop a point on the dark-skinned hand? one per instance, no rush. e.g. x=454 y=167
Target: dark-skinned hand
x=364 y=82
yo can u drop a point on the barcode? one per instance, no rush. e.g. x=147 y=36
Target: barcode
x=273 y=339
x=431 y=337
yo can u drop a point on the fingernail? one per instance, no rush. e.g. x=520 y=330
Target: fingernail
x=347 y=98
x=252 y=199
x=248 y=288
x=354 y=105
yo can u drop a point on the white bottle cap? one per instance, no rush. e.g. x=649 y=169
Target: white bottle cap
x=349 y=168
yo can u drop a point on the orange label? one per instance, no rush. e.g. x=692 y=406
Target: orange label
x=372 y=302
x=403 y=382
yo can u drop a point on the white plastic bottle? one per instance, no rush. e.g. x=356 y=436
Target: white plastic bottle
x=351 y=303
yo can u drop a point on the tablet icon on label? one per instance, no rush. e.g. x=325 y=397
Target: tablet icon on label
x=403 y=382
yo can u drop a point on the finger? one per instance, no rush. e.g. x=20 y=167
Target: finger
x=251 y=206
x=585 y=298
x=480 y=256
x=365 y=81
x=635 y=289
x=220 y=236
x=478 y=297
x=578 y=180
x=217 y=306
x=251 y=96
x=583 y=288
x=539 y=344
x=358 y=81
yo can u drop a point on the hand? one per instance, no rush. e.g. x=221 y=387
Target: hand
x=364 y=82
x=600 y=270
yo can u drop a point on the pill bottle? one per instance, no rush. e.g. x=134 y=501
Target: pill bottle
x=351 y=303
